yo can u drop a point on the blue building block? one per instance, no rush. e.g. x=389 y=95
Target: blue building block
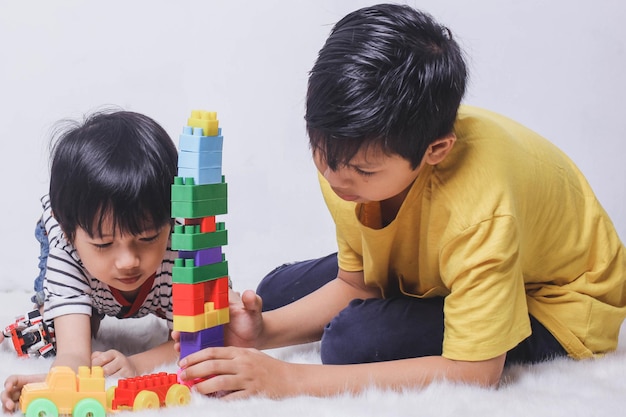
x=202 y=175
x=188 y=159
x=192 y=140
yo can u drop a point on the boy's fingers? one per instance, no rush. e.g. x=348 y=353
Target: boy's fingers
x=13 y=387
x=97 y=360
x=18 y=381
x=220 y=386
x=8 y=406
x=251 y=301
x=104 y=358
x=208 y=354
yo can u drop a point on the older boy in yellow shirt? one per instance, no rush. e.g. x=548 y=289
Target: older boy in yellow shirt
x=465 y=240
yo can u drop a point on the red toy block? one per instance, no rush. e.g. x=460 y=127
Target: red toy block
x=127 y=389
x=207 y=224
x=189 y=299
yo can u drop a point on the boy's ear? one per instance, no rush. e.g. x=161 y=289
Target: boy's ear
x=439 y=149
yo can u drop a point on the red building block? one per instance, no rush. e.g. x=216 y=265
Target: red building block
x=189 y=299
x=207 y=224
x=127 y=389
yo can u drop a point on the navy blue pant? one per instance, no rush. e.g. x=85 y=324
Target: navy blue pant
x=375 y=330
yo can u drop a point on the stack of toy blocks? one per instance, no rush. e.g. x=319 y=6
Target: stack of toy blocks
x=200 y=274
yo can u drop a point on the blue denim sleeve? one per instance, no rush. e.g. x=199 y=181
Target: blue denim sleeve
x=44 y=250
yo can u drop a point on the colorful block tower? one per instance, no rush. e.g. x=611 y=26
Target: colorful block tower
x=200 y=274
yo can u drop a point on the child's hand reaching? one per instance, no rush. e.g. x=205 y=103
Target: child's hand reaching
x=13 y=388
x=246 y=321
x=114 y=363
x=235 y=373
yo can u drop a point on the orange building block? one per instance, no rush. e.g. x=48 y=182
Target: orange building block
x=66 y=391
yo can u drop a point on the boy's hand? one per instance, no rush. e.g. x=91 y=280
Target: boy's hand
x=235 y=373
x=13 y=388
x=246 y=321
x=114 y=363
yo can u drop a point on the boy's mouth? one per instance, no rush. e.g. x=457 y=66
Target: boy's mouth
x=129 y=280
x=346 y=197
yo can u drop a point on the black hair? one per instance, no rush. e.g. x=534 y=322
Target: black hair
x=117 y=163
x=388 y=75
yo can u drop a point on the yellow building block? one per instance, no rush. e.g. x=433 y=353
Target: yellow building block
x=90 y=380
x=207 y=120
x=210 y=318
x=65 y=392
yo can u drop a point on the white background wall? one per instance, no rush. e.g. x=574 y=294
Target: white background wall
x=557 y=66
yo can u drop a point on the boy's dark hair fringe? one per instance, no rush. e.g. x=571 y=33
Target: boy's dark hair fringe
x=116 y=163
x=388 y=75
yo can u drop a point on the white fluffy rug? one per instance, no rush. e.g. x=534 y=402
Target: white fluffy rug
x=559 y=388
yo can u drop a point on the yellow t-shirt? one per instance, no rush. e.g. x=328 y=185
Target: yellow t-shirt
x=505 y=226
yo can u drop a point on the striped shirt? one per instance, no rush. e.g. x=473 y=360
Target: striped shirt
x=70 y=289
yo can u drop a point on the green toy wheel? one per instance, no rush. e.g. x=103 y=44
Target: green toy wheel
x=88 y=407
x=177 y=395
x=42 y=407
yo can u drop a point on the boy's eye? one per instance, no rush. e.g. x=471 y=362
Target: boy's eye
x=151 y=238
x=364 y=173
x=101 y=245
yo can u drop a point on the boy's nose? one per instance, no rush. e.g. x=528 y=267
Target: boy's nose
x=127 y=259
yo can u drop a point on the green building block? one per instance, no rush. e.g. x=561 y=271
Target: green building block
x=184 y=271
x=190 y=238
x=201 y=208
x=184 y=189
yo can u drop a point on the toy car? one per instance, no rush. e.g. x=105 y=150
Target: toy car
x=83 y=394
x=31 y=336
